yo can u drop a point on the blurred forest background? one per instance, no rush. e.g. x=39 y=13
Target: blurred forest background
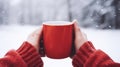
x=18 y=18
x=102 y=14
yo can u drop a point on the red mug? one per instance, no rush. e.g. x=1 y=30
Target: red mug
x=57 y=39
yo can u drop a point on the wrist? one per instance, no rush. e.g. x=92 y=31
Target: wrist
x=81 y=43
x=84 y=52
x=34 y=45
x=29 y=54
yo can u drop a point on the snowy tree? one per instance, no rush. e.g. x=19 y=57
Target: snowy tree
x=1 y=14
x=116 y=3
x=37 y=11
x=55 y=10
x=102 y=14
x=76 y=8
x=4 y=12
x=14 y=11
x=31 y=12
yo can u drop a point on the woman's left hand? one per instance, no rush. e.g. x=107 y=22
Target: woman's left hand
x=34 y=38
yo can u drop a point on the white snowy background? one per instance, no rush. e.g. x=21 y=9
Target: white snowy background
x=18 y=18
x=11 y=37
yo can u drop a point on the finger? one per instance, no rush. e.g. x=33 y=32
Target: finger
x=77 y=29
x=76 y=26
x=84 y=35
x=77 y=37
x=37 y=33
x=34 y=37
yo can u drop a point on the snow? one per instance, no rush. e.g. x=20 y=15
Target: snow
x=106 y=40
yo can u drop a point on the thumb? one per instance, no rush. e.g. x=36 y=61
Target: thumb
x=34 y=38
x=79 y=39
x=76 y=28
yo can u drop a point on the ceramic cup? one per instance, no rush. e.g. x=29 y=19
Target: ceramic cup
x=57 y=39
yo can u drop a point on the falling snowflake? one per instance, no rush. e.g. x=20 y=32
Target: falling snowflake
x=110 y=26
x=96 y=26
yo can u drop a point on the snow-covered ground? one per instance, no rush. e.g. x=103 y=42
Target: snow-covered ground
x=11 y=37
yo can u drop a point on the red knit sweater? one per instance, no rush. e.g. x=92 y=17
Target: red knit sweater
x=27 y=56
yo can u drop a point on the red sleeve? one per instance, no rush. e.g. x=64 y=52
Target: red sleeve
x=25 y=56
x=88 y=56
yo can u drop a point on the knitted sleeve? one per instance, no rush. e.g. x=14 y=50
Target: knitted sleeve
x=25 y=56
x=88 y=56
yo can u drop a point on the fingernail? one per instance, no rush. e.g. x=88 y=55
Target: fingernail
x=74 y=21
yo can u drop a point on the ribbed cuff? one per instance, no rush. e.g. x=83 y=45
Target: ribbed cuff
x=83 y=54
x=30 y=55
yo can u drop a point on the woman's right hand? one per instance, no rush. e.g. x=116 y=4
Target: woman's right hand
x=80 y=37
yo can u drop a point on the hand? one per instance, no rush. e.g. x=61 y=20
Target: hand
x=34 y=38
x=80 y=37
